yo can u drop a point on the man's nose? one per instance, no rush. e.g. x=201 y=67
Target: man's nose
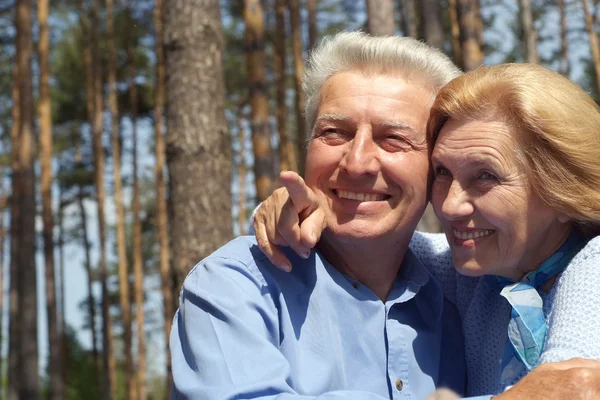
x=457 y=204
x=361 y=156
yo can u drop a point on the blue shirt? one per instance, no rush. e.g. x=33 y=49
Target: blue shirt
x=246 y=330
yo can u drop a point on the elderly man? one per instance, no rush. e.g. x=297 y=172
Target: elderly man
x=361 y=318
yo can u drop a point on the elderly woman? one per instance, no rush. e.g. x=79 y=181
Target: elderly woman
x=516 y=185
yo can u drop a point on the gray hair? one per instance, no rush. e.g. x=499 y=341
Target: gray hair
x=385 y=54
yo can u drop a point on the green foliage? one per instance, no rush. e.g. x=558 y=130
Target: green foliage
x=82 y=382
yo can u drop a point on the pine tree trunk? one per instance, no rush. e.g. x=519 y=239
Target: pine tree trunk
x=431 y=23
x=455 y=30
x=241 y=172
x=287 y=153
x=311 y=5
x=61 y=273
x=198 y=144
x=56 y=385
x=13 y=336
x=166 y=283
x=593 y=41
x=123 y=267
x=3 y=201
x=24 y=202
x=137 y=227
x=408 y=12
x=529 y=32
x=470 y=19
x=301 y=133
x=108 y=358
x=87 y=252
x=380 y=18
x=564 y=65
x=255 y=64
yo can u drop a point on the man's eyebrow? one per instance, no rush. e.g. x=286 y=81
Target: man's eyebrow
x=401 y=125
x=333 y=117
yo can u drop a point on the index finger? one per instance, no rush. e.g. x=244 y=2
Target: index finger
x=301 y=196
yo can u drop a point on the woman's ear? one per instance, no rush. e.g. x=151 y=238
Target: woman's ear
x=563 y=218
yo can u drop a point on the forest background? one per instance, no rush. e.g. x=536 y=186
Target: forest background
x=137 y=135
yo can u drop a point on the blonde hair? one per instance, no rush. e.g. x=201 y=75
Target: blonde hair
x=385 y=54
x=556 y=126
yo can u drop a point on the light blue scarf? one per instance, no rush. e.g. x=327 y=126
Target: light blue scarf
x=527 y=325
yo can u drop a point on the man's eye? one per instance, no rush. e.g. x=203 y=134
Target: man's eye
x=395 y=143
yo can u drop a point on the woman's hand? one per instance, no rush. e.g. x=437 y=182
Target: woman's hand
x=291 y=216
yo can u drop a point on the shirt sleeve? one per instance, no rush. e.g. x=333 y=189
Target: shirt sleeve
x=573 y=326
x=225 y=340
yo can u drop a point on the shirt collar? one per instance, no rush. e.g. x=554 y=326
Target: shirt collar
x=415 y=283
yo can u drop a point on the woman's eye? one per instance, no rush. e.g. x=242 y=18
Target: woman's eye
x=441 y=171
x=487 y=176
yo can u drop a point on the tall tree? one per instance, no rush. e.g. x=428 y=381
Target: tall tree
x=13 y=327
x=431 y=23
x=255 y=63
x=137 y=223
x=529 y=32
x=301 y=133
x=455 y=31
x=56 y=385
x=287 y=153
x=311 y=5
x=23 y=214
x=94 y=103
x=241 y=171
x=162 y=222
x=564 y=64
x=91 y=303
x=469 y=19
x=593 y=41
x=198 y=144
x=123 y=267
x=409 y=18
x=3 y=200
x=380 y=17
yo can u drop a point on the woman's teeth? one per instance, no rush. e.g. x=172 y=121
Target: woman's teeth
x=343 y=194
x=471 y=234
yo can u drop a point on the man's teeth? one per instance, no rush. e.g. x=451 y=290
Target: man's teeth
x=471 y=234
x=360 y=196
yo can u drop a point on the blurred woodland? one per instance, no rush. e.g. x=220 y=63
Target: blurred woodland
x=136 y=136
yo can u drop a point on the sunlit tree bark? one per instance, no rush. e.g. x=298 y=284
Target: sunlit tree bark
x=255 y=65
x=166 y=281
x=287 y=152
x=198 y=143
x=431 y=23
x=123 y=266
x=408 y=15
x=56 y=385
x=23 y=216
x=593 y=41
x=301 y=134
x=564 y=64
x=529 y=32
x=380 y=17
x=470 y=20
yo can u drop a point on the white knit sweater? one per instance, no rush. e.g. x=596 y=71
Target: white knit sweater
x=572 y=311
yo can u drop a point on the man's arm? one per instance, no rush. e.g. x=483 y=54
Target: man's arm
x=225 y=340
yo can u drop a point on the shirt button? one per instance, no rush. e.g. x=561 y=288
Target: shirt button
x=399 y=384
x=355 y=285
